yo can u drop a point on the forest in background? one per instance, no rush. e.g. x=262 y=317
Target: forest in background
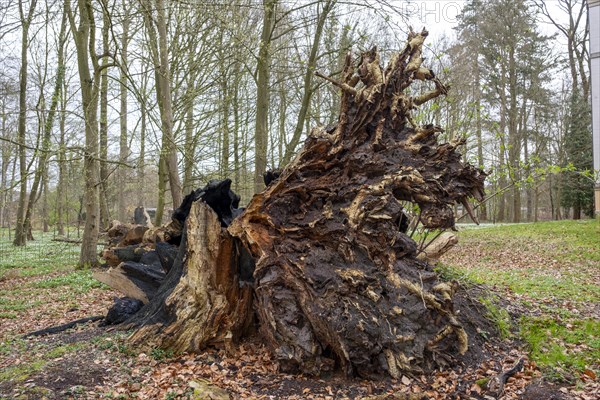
x=109 y=104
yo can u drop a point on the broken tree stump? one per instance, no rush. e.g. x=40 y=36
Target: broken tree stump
x=337 y=282
x=208 y=306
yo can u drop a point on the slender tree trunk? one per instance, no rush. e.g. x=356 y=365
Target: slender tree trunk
x=514 y=140
x=3 y=167
x=123 y=136
x=536 y=204
x=189 y=146
x=5 y=153
x=236 y=129
x=528 y=191
x=20 y=233
x=62 y=172
x=141 y=165
x=501 y=198
x=166 y=106
x=308 y=89
x=104 y=211
x=283 y=117
x=479 y=131
x=577 y=210
x=225 y=127
x=45 y=216
x=84 y=35
x=162 y=189
x=261 y=135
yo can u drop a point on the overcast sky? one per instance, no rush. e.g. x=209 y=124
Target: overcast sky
x=440 y=16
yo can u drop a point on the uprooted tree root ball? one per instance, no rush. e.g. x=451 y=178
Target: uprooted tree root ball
x=336 y=284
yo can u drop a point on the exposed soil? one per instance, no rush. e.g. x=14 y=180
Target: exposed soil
x=100 y=365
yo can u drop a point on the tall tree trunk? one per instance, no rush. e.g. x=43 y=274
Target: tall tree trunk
x=160 y=57
x=41 y=172
x=307 y=90
x=189 y=148
x=141 y=163
x=163 y=178
x=528 y=191
x=501 y=198
x=263 y=68
x=61 y=191
x=225 y=134
x=514 y=151
x=236 y=128
x=84 y=35
x=4 y=161
x=5 y=153
x=45 y=213
x=479 y=131
x=123 y=134
x=166 y=114
x=21 y=231
x=103 y=189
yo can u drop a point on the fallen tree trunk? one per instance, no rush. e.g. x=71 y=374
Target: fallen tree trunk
x=336 y=282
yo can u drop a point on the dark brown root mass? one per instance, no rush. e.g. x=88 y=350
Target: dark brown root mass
x=337 y=284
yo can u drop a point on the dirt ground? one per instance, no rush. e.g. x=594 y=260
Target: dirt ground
x=89 y=362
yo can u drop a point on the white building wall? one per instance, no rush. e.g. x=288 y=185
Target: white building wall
x=594 y=16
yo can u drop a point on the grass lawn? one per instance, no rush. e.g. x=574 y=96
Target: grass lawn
x=549 y=273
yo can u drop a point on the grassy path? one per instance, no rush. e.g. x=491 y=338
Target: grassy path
x=549 y=274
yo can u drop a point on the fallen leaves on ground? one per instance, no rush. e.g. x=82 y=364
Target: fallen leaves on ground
x=105 y=367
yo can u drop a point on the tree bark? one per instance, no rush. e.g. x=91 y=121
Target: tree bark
x=261 y=135
x=166 y=114
x=123 y=135
x=84 y=35
x=21 y=231
x=211 y=309
x=307 y=89
x=103 y=188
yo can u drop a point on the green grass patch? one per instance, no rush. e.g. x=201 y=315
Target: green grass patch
x=60 y=351
x=534 y=283
x=80 y=281
x=18 y=305
x=38 y=257
x=555 y=266
x=498 y=315
x=13 y=345
x=161 y=354
x=44 y=355
x=573 y=240
x=558 y=346
x=114 y=343
x=21 y=372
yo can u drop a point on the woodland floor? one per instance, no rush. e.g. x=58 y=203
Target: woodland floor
x=544 y=281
